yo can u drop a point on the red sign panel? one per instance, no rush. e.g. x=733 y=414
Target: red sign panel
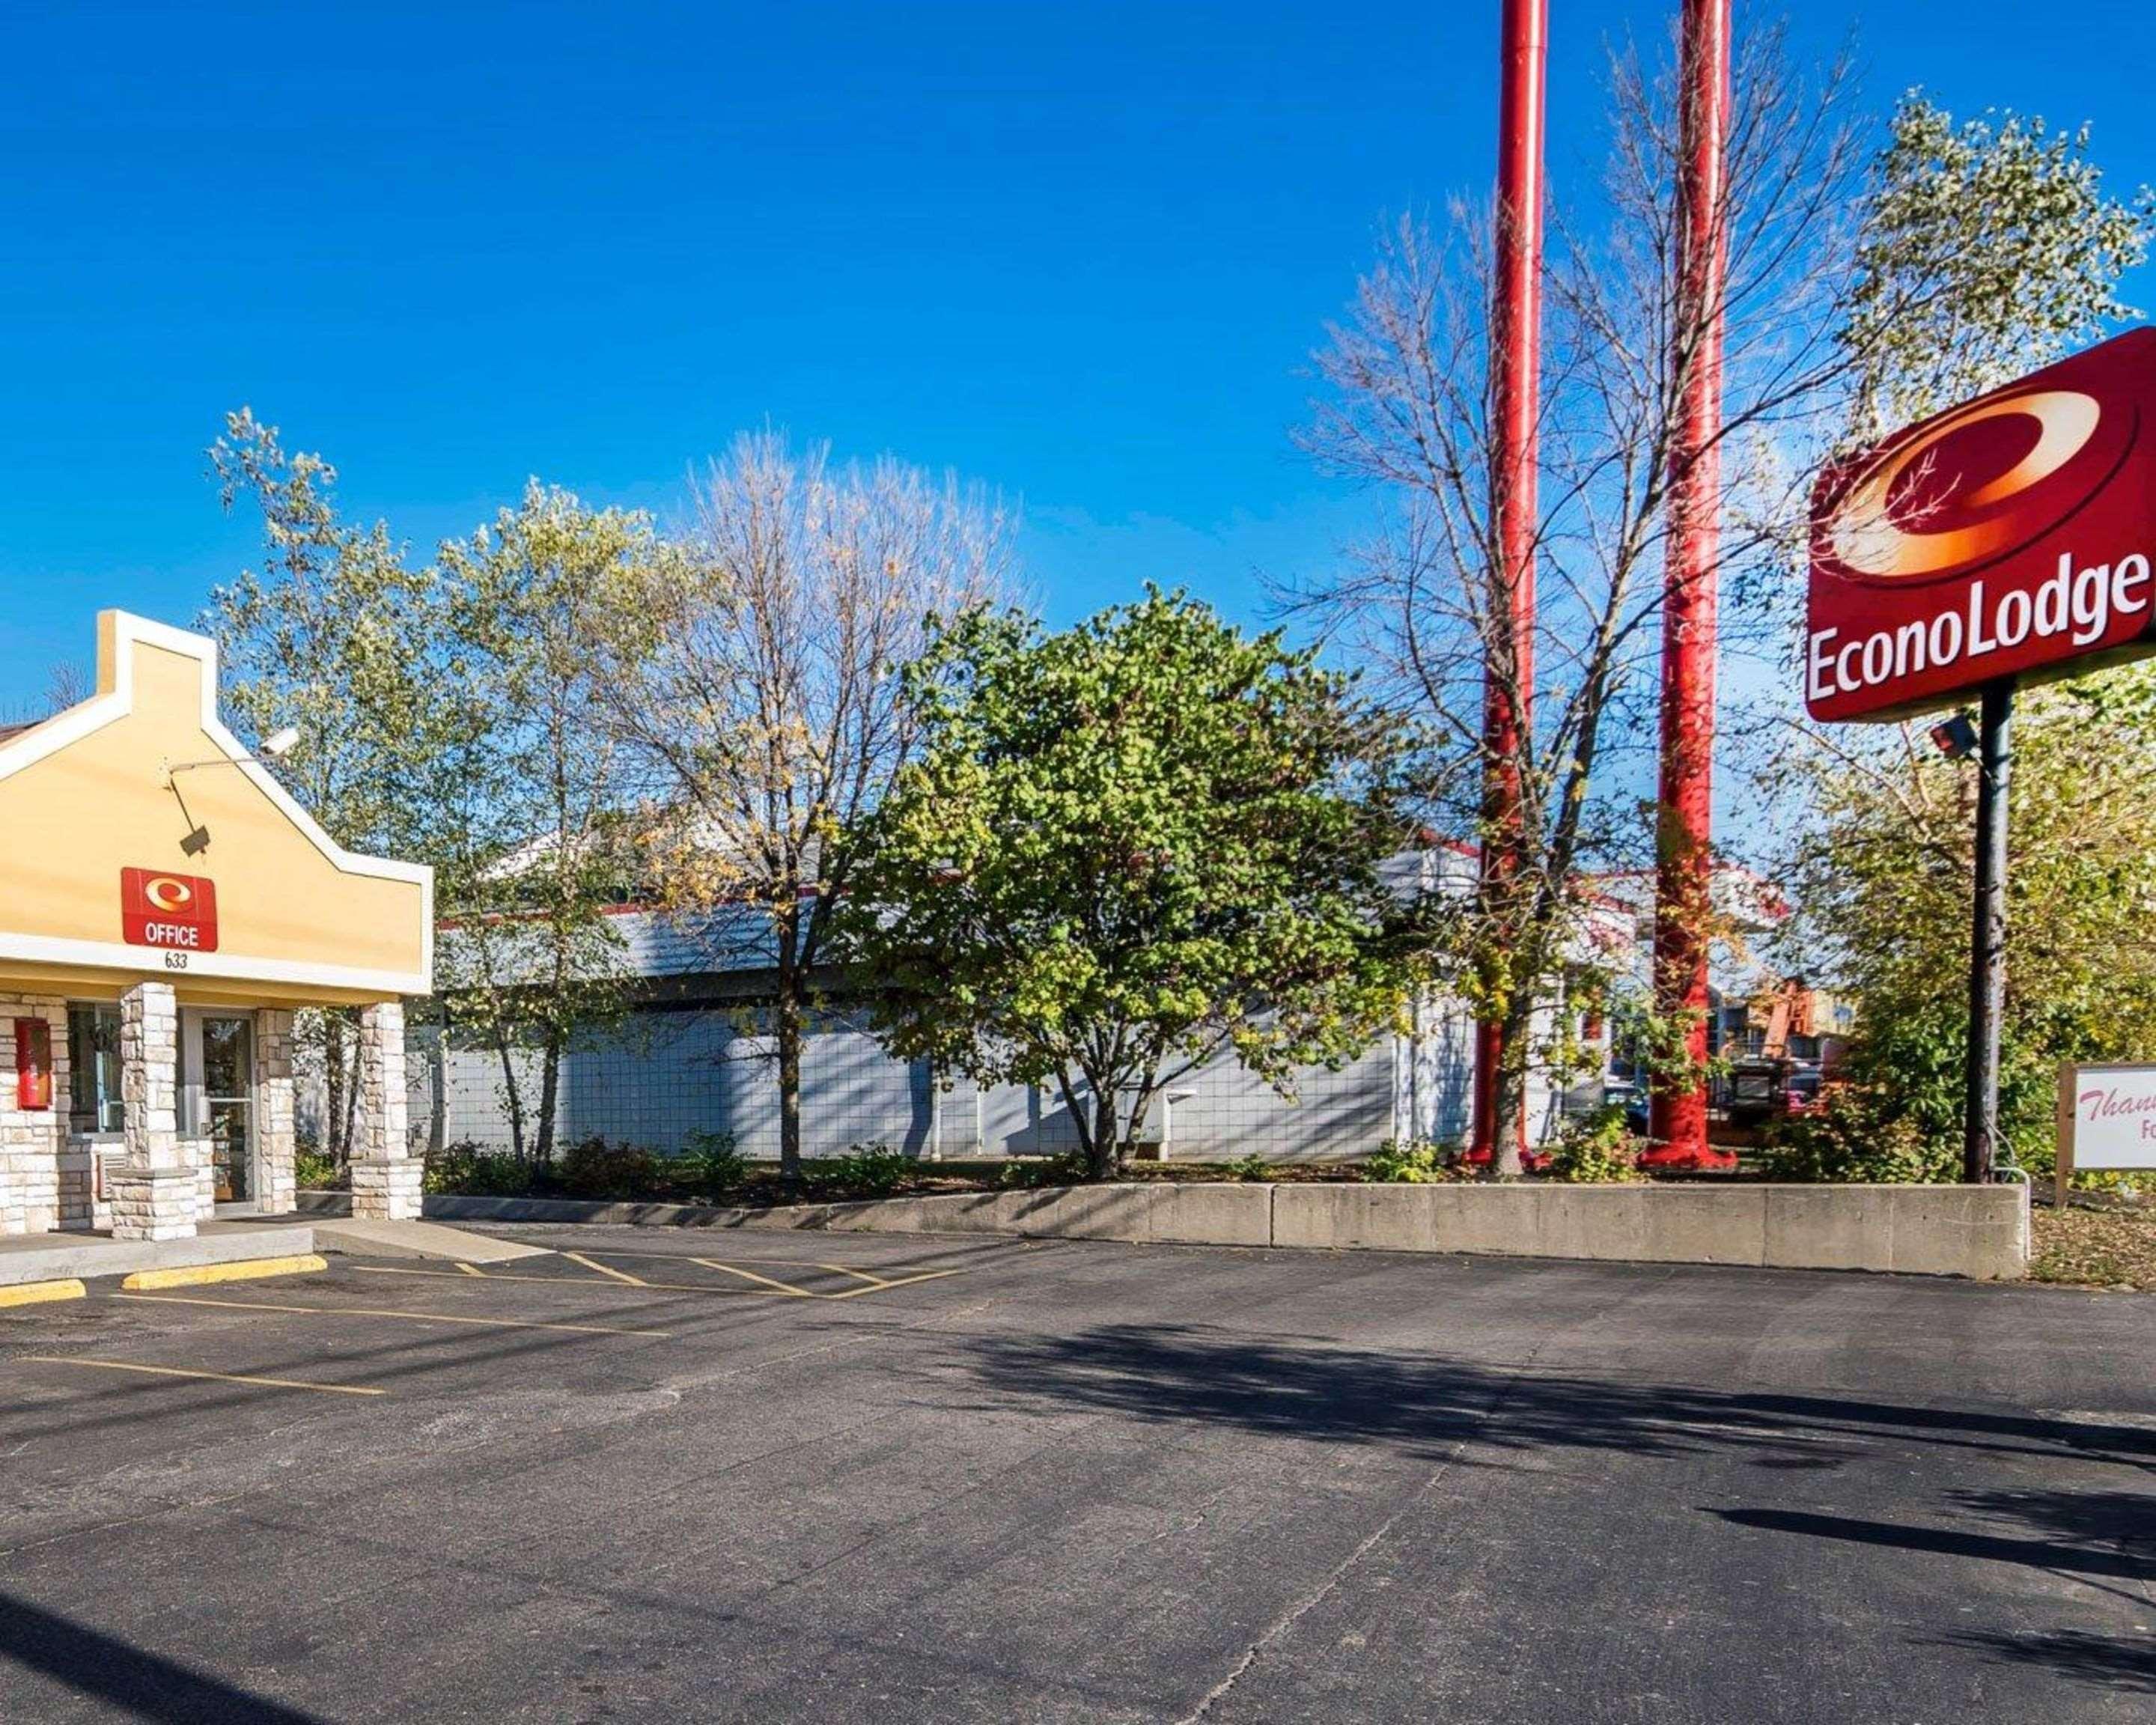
x=161 y=909
x=34 y=1064
x=2011 y=536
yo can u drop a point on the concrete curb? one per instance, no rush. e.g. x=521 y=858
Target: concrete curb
x=92 y=1255
x=250 y=1269
x=1979 y=1232
x=41 y=1293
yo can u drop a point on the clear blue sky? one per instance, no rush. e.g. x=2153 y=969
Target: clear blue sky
x=1080 y=253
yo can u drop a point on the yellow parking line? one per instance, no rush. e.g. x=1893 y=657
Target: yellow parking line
x=857 y=1274
x=417 y=1317
x=884 y=1286
x=763 y=1285
x=194 y=1275
x=618 y=1274
x=468 y=1270
x=114 y=1365
x=784 y=1287
x=585 y=1282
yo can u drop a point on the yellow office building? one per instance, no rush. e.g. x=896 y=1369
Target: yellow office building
x=164 y=907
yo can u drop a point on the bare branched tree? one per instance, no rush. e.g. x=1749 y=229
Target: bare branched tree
x=757 y=680
x=1425 y=606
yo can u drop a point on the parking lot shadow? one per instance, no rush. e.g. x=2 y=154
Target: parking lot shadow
x=1431 y=1404
x=2110 y=1662
x=147 y=1685
x=2073 y=1556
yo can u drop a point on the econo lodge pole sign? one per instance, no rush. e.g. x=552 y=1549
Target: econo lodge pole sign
x=2010 y=537
x=2006 y=541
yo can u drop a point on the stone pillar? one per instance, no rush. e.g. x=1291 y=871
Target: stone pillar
x=385 y=1175
x=275 y=1113
x=153 y=1195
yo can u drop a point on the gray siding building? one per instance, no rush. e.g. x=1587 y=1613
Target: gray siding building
x=689 y=1059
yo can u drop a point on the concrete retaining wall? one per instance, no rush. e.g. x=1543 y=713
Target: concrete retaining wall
x=1977 y=1231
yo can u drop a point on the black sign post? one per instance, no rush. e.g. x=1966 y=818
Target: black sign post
x=1987 y=956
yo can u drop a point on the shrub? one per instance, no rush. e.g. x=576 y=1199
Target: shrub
x=864 y=1171
x=1253 y=1166
x=1414 y=1162
x=1030 y=1173
x=597 y=1167
x=315 y=1172
x=468 y=1170
x=1850 y=1135
x=710 y=1164
x=1594 y=1149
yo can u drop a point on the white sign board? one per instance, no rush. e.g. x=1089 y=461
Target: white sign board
x=2107 y=1118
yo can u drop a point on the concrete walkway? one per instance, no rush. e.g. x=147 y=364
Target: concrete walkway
x=416 y=1239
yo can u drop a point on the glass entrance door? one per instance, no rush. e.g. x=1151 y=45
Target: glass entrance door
x=218 y=1067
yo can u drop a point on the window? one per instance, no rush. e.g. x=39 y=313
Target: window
x=94 y=1069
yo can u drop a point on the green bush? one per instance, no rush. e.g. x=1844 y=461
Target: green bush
x=597 y=1167
x=1595 y=1149
x=1252 y=1166
x=710 y=1164
x=468 y=1170
x=1853 y=1136
x=1032 y=1173
x=864 y=1171
x=1413 y=1162
x=315 y=1172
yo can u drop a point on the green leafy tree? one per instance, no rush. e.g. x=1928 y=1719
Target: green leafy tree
x=1987 y=249
x=531 y=834
x=1883 y=878
x=329 y=636
x=1122 y=849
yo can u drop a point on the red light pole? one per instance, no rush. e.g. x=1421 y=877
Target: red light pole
x=1516 y=353
x=1684 y=838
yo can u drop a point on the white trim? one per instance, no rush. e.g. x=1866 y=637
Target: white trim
x=79 y=721
x=146 y=963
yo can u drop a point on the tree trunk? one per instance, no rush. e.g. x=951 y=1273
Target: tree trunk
x=510 y=1095
x=550 y=1088
x=1104 y=1158
x=339 y=1024
x=1515 y=1042
x=438 y=1114
x=787 y=1026
x=334 y=1140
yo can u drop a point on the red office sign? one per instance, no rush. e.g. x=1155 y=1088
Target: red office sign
x=161 y=909
x=2009 y=537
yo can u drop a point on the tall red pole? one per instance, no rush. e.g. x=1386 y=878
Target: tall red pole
x=1684 y=840
x=1516 y=353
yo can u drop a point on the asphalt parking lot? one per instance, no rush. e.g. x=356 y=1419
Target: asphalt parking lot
x=759 y=1476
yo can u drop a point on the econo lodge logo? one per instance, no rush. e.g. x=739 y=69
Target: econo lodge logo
x=2006 y=536
x=158 y=909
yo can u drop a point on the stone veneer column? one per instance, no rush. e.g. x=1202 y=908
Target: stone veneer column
x=385 y=1175
x=275 y=1114
x=153 y=1195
